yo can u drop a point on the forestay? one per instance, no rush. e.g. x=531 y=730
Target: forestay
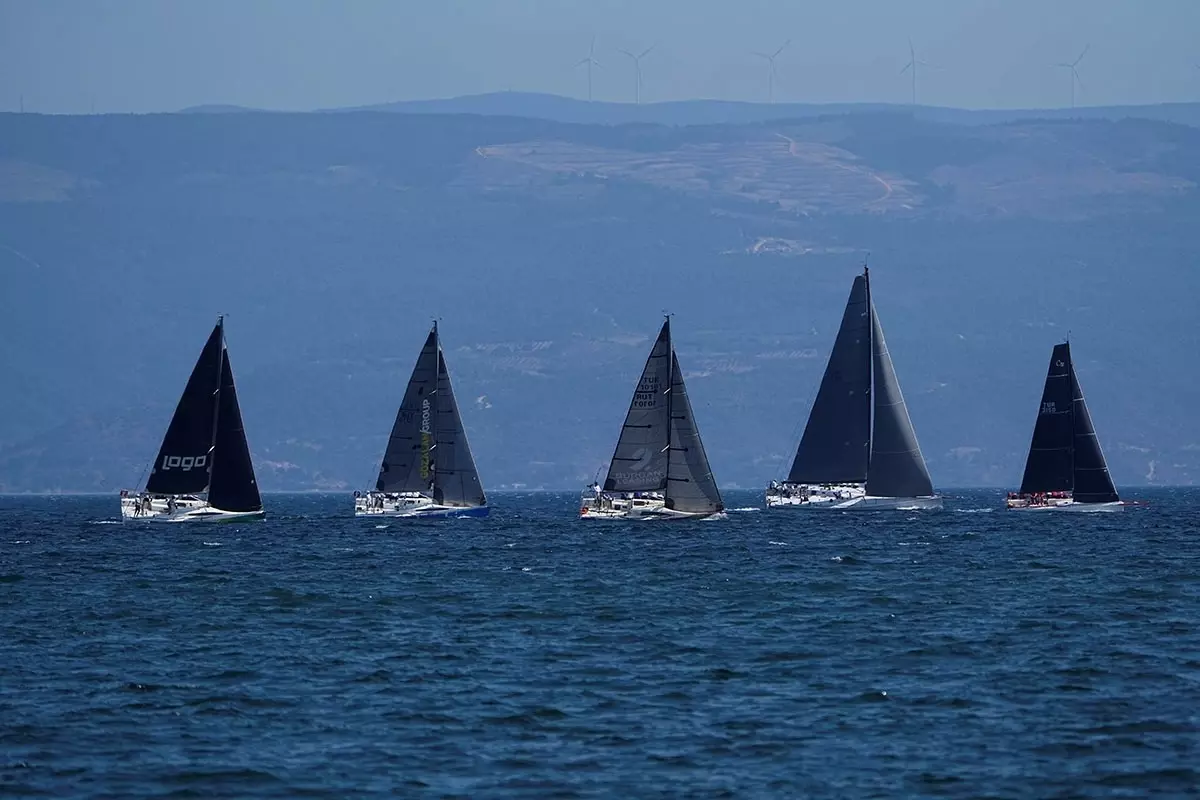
x=233 y=486
x=691 y=487
x=1093 y=484
x=897 y=467
x=455 y=479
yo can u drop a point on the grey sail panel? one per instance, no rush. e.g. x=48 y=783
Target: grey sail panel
x=233 y=487
x=455 y=479
x=897 y=467
x=408 y=460
x=836 y=446
x=690 y=484
x=183 y=463
x=1093 y=484
x=1048 y=466
x=639 y=463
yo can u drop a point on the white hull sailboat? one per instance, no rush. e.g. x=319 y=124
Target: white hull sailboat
x=142 y=507
x=859 y=451
x=843 y=497
x=659 y=469
x=203 y=471
x=1066 y=469
x=428 y=471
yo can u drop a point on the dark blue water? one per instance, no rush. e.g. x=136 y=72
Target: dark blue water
x=964 y=653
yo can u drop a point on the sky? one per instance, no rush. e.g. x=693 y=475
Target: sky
x=104 y=56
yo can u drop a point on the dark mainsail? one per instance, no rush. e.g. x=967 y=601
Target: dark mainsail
x=183 y=464
x=408 y=460
x=690 y=484
x=1093 y=484
x=836 y=445
x=1049 y=465
x=897 y=468
x=455 y=479
x=233 y=487
x=639 y=463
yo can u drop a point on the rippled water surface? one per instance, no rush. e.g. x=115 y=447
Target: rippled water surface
x=963 y=653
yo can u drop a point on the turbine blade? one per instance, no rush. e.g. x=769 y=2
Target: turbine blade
x=646 y=52
x=783 y=46
x=906 y=66
x=1086 y=47
x=581 y=62
x=626 y=52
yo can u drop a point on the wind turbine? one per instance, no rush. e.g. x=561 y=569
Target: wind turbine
x=591 y=62
x=913 y=63
x=637 y=67
x=771 y=74
x=1074 y=72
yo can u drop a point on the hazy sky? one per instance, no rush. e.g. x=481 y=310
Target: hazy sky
x=159 y=55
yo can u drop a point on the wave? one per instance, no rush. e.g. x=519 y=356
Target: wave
x=211 y=544
x=745 y=510
x=973 y=510
x=104 y=522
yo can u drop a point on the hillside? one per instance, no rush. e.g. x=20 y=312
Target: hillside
x=549 y=251
x=725 y=112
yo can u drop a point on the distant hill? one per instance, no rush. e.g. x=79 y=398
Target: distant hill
x=549 y=250
x=725 y=112
x=534 y=105
x=217 y=108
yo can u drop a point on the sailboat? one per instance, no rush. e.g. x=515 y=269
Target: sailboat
x=659 y=469
x=427 y=468
x=203 y=469
x=859 y=450
x=1065 y=470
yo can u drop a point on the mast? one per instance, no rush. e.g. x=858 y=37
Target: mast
x=1071 y=406
x=212 y=447
x=433 y=470
x=670 y=372
x=871 y=370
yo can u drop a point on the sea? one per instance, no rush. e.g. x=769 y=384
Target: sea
x=968 y=652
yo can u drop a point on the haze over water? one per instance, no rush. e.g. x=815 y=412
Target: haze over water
x=961 y=653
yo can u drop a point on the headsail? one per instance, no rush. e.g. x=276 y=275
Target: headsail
x=1048 y=467
x=184 y=461
x=233 y=486
x=639 y=463
x=408 y=460
x=897 y=467
x=1093 y=484
x=836 y=446
x=455 y=479
x=690 y=484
